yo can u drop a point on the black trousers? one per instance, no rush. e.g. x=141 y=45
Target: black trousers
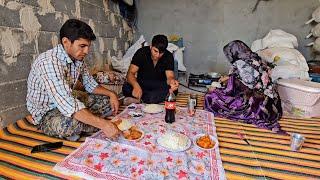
x=152 y=92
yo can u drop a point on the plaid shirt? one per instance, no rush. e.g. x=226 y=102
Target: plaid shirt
x=50 y=84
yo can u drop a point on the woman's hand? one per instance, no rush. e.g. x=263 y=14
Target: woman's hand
x=223 y=79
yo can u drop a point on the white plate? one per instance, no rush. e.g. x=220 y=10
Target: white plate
x=176 y=150
x=157 y=108
x=135 y=140
x=211 y=137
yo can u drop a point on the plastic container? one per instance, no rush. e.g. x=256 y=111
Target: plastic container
x=315 y=77
x=299 y=97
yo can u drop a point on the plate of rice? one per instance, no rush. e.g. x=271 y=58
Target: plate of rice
x=174 y=142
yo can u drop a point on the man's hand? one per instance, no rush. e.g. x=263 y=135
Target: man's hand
x=114 y=103
x=174 y=84
x=110 y=129
x=137 y=92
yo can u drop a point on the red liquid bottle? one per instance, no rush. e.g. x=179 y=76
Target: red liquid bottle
x=170 y=106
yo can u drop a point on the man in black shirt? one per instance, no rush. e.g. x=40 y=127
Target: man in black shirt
x=150 y=75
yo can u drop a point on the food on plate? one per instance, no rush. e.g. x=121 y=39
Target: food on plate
x=123 y=124
x=152 y=108
x=135 y=114
x=173 y=140
x=205 y=142
x=132 y=134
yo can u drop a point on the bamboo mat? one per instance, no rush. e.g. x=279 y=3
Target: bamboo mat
x=267 y=156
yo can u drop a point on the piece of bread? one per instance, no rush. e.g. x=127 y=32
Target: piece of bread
x=124 y=125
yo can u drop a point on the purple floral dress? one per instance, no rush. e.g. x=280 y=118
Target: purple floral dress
x=249 y=95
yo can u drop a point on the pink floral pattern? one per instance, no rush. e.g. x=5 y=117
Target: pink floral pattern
x=100 y=158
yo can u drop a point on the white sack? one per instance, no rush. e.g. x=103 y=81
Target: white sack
x=279 y=38
x=290 y=63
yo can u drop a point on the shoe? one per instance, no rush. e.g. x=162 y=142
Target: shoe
x=129 y=100
x=74 y=137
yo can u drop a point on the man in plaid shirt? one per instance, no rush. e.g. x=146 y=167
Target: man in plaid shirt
x=52 y=82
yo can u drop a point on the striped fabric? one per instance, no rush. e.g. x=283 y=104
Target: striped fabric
x=267 y=157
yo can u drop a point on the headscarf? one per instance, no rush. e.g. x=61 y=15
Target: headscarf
x=249 y=68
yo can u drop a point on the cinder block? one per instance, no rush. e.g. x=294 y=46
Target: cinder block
x=106 y=46
x=121 y=43
x=114 y=6
x=118 y=20
x=12 y=115
x=90 y=60
x=94 y=46
x=9 y=18
x=15 y=71
x=45 y=41
x=25 y=47
x=112 y=31
x=13 y=94
x=108 y=43
x=106 y=30
x=93 y=12
x=66 y=7
x=96 y=2
x=49 y=22
x=30 y=2
x=105 y=57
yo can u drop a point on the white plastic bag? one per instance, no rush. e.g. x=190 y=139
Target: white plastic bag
x=178 y=56
x=122 y=64
x=137 y=45
x=172 y=47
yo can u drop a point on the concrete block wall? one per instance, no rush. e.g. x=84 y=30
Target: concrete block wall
x=30 y=27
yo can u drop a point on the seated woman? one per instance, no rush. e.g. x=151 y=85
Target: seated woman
x=249 y=94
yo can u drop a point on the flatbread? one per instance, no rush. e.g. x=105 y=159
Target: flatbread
x=124 y=125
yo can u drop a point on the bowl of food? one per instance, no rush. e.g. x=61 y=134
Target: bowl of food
x=205 y=141
x=133 y=134
x=129 y=131
x=135 y=114
x=123 y=124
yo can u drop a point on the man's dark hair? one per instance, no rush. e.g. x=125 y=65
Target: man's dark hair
x=160 y=42
x=74 y=29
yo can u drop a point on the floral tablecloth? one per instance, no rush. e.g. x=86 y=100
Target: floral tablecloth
x=101 y=158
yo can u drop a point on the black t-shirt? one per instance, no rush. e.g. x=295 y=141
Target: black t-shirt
x=149 y=75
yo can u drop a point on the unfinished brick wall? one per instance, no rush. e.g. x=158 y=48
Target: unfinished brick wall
x=30 y=27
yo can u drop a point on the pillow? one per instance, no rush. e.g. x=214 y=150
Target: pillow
x=109 y=77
